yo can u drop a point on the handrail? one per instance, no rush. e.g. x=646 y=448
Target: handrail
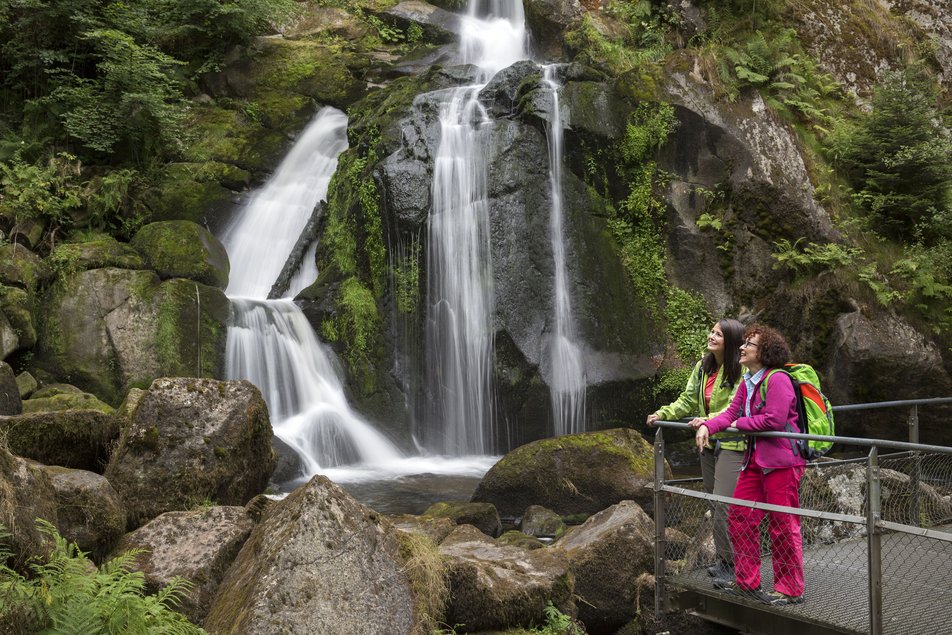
x=869 y=443
x=893 y=404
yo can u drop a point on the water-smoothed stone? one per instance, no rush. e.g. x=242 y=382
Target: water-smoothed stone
x=495 y=586
x=88 y=509
x=482 y=516
x=501 y=94
x=608 y=555
x=321 y=562
x=79 y=439
x=198 y=545
x=10 y=401
x=183 y=249
x=189 y=441
x=572 y=474
x=26 y=494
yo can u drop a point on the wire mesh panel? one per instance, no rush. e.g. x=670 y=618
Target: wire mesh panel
x=817 y=554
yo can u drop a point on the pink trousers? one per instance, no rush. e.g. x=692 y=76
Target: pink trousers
x=779 y=486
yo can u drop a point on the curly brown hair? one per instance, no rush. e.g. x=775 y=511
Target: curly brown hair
x=772 y=350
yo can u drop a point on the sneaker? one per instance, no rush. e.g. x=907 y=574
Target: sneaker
x=721 y=570
x=782 y=599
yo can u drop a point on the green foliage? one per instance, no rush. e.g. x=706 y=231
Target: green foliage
x=813 y=258
x=357 y=324
x=67 y=594
x=774 y=63
x=899 y=160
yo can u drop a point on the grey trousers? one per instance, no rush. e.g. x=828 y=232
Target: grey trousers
x=720 y=474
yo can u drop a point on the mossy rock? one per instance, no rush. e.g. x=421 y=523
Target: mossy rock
x=572 y=474
x=101 y=251
x=20 y=267
x=17 y=306
x=515 y=538
x=60 y=402
x=482 y=516
x=89 y=511
x=183 y=249
x=79 y=439
x=51 y=390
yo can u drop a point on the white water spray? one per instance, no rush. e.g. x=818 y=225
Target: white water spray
x=271 y=343
x=459 y=340
x=568 y=371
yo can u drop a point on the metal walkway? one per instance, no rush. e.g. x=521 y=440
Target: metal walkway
x=877 y=543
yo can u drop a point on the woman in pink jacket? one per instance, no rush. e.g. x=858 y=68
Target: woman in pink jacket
x=771 y=471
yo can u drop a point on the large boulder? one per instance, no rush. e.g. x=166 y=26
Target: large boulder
x=110 y=329
x=190 y=441
x=321 y=562
x=197 y=545
x=66 y=401
x=95 y=253
x=572 y=474
x=608 y=555
x=26 y=494
x=495 y=586
x=20 y=267
x=438 y=25
x=17 y=323
x=89 y=511
x=183 y=249
x=10 y=402
x=78 y=439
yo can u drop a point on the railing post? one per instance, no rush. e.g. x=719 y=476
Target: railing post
x=659 y=522
x=915 y=470
x=874 y=544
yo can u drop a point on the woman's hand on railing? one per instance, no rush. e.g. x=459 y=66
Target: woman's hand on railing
x=696 y=422
x=651 y=419
x=702 y=436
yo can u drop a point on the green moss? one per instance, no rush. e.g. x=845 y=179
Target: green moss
x=356 y=324
x=55 y=403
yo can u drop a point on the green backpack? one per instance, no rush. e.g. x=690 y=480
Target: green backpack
x=814 y=409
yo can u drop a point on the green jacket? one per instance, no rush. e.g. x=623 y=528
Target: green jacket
x=691 y=404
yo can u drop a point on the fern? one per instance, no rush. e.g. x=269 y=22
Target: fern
x=68 y=594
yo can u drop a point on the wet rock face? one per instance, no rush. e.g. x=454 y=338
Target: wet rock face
x=189 y=441
x=320 y=562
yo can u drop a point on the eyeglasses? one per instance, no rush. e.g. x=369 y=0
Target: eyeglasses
x=749 y=343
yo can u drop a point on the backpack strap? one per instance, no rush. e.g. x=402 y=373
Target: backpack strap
x=763 y=382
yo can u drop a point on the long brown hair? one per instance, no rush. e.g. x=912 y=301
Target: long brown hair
x=733 y=337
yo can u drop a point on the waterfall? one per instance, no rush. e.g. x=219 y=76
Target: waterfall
x=568 y=372
x=270 y=342
x=459 y=334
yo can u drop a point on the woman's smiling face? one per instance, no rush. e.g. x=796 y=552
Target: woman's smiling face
x=750 y=353
x=715 y=340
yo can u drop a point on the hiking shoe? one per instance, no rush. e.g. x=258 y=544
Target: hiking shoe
x=782 y=599
x=721 y=570
x=772 y=598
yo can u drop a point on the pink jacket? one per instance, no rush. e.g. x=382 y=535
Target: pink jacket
x=777 y=413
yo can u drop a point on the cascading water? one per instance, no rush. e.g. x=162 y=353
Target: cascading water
x=270 y=342
x=567 y=369
x=459 y=340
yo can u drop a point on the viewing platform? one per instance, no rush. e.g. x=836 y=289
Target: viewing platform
x=877 y=542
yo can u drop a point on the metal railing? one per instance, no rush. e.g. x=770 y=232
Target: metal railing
x=890 y=510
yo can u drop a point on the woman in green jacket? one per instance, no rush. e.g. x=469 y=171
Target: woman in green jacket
x=710 y=389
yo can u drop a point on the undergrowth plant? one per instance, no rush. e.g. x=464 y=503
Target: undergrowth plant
x=67 y=593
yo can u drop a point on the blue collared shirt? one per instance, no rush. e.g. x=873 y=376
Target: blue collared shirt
x=751 y=381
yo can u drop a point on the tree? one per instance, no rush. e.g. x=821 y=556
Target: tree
x=899 y=158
